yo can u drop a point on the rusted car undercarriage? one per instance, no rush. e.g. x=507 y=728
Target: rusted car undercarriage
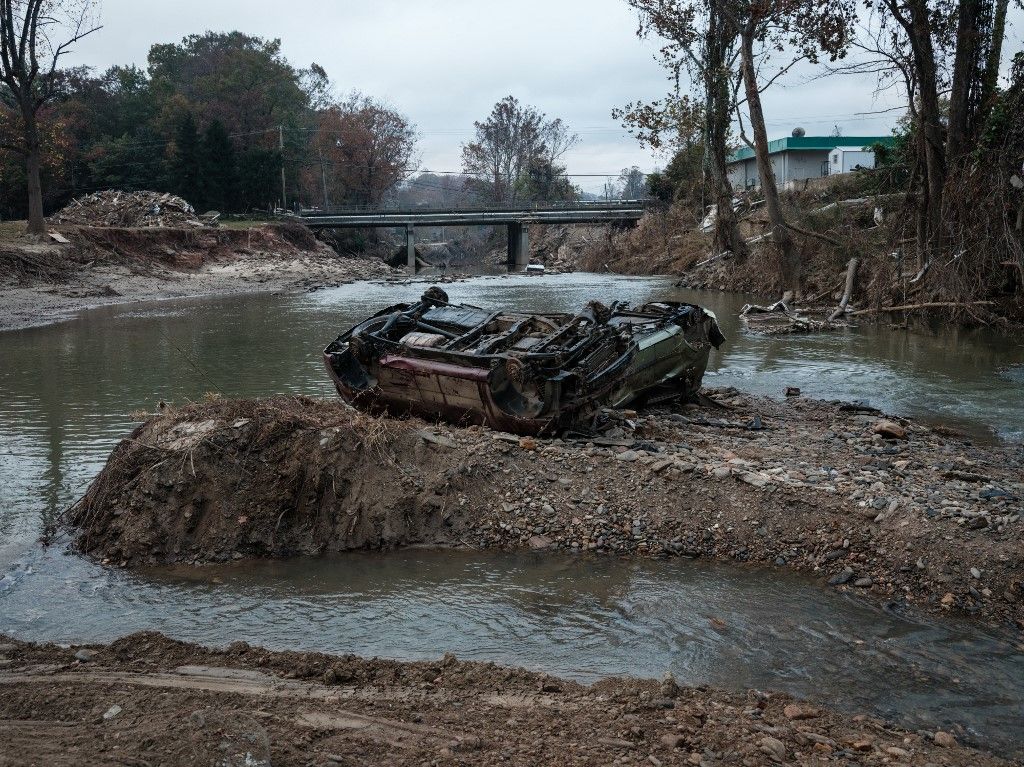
x=517 y=372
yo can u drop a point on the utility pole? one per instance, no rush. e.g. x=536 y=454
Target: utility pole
x=284 y=197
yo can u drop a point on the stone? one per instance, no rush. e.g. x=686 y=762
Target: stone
x=890 y=430
x=627 y=455
x=539 y=542
x=669 y=686
x=757 y=480
x=673 y=740
x=774 y=747
x=437 y=439
x=863 y=583
x=944 y=739
x=796 y=712
x=85 y=655
x=112 y=712
x=840 y=578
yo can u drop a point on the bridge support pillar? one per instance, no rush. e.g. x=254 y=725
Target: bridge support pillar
x=518 y=246
x=410 y=247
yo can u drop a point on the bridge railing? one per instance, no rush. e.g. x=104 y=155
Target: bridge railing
x=347 y=210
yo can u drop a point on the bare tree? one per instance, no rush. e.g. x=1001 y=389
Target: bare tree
x=511 y=144
x=364 y=148
x=801 y=29
x=697 y=41
x=30 y=52
x=632 y=183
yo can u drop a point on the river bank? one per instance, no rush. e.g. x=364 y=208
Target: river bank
x=883 y=507
x=42 y=282
x=844 y=224
x=149 y=699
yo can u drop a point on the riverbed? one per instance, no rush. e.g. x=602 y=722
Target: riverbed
x=68 y=392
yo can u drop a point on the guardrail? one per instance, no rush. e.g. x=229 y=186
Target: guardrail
x=352 y=210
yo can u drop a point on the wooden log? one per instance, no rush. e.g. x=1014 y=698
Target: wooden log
x=851 y=272
x=930 y=305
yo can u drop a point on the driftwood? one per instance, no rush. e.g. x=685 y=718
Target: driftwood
x=929 y=305
x=851 y=273
x=723 y=254
x=821 y=295
x=778 y=318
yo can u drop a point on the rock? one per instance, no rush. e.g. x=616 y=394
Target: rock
x=112 y=712
x=774 y=747
x=757 y=480
x=975 y=573
x=896 y=751
x=890 y=430
x=85 y=655
x=863 y=583
x=948 y=599
x=437 y=439
x=840 y=578
x=627 y=455
x=797 y=712
x=669 y=686
x=539 y=542
x=792 y=391
x=673 y=740
x=944 y=739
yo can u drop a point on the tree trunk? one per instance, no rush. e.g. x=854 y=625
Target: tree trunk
x=717 y=120
x=33 y=170
x=933 y=146
x=790 y=257
x=990 y=78
x=965 y=66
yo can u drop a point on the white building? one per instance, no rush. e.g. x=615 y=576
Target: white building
x=795 y=158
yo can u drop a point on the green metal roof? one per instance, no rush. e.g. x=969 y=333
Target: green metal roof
x=790 y=143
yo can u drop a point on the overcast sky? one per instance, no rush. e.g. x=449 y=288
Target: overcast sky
x=444 y=63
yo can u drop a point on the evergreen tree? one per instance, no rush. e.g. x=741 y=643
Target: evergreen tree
x=259 y=178
x=185 y=164
x=219 y=179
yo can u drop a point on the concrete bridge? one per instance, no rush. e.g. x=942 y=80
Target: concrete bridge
x=516 y=219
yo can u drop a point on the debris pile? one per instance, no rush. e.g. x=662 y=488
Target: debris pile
x=129 y=209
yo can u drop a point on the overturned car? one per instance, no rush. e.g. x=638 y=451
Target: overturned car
x=518 y=372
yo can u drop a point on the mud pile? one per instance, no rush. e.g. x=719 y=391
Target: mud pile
x=268 y=478
x=129 y=209
x=889 y=508
x=146 y=699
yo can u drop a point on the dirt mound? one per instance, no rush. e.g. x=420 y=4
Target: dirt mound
x=191 y=248
x=129 y=209
x=269 y=478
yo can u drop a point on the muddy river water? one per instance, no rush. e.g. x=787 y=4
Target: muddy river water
x=68 y=393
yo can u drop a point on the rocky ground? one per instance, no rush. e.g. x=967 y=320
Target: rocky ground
x=877 y=505
x=148 y=700
x=44 y=281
